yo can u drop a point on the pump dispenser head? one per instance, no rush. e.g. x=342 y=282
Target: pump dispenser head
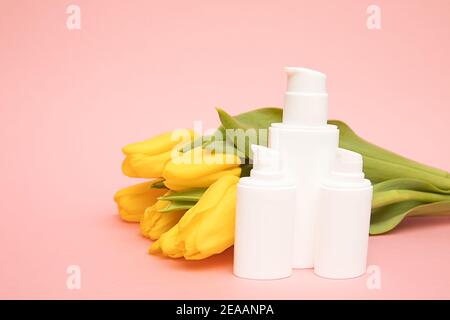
x=348 y=167
x=266 y=164
x=303 y=80
x=265 y=159
x=348 y=161
x=306 y=98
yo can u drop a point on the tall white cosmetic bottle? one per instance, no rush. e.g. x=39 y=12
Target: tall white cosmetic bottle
x=307 y=145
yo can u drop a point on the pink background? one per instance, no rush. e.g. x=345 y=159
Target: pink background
x=69 y=100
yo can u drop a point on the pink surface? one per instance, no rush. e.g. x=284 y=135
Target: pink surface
x=70 y=99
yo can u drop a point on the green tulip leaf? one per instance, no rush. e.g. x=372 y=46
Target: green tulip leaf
x=223 y=146
x=191 y=145
x=384 y=198
x=407 y=183
x=381 y=164
x=177 y=206
x=387 y=218
x=258 y=119
x=404 y=189
x=378 y=170
x=242 y=123
x=189 y=196
x=441 y=208
x=350 y=140
x=158 y=184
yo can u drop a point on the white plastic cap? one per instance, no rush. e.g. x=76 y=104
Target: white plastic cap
x=303 y=80
x=348 y=161
x=265 y=159
x=267 y=167
x=348 y=166
x=306 y=98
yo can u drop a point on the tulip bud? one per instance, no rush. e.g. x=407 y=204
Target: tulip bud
x=198 y=168
x=205 y=229
x=147 y=159
x=154 y=223
x=132 y=201
x=167 y=244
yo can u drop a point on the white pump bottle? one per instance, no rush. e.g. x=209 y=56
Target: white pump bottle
x=308 y=146
x=342 y=230
x=264 y=219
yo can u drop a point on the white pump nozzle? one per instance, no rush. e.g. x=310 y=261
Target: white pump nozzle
x=306 y=98
x=266 y=165
x=265 y=159
x=348 y=161
x=302 y=80
x=348 y=166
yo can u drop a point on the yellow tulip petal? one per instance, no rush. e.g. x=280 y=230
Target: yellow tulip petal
x=134 y=200
x=134 y=189
x=210 y=199
x=214 y=210
x=154 y=223
x=178 y=184
x=139 y=165
x=160 y=143
x=155 y=248
x=193 y=170
x=166 y=244
x=213 y=231
x=129 y=217
x=205 y=229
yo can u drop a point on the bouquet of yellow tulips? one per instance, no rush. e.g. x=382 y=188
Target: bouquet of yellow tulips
x=188 y=205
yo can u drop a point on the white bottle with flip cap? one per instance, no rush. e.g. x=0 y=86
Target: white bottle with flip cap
x=264 y=219
x=307 y=145
x=342 y=230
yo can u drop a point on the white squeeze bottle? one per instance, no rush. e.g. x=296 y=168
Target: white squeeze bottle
x=308 y=146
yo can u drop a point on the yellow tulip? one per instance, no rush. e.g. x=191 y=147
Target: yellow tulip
x=205 y=229
x=198 y=168
x=154 y=223
x=167 y=244
x=146 y=159
x=132 y=201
